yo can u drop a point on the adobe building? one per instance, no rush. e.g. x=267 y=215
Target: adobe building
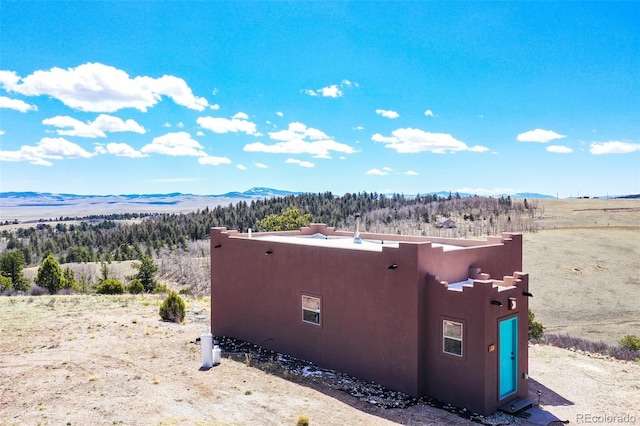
x=438 y=317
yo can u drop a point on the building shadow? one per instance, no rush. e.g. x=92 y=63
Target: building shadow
x=364 y=396
x=546 y=397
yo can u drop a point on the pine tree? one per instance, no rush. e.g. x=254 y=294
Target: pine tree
x=11 y=265
x=146 y=274
x=50 y=275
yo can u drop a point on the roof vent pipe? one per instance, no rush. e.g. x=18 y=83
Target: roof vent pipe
x=356 y=236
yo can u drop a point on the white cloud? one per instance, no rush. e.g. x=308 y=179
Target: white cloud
x=104 y=123
x=199 y=133
x=95 y=87
x=299 y=162
x=410 y=140
x=213 y=161
x=280 y=114
x=2 y=132
x=241 y=167
x=300 y=139
x=238 y=123
x=387 y=113
x=261 y=165
x=559 y=149
x=478 y=148
x=8 y=78
x=613 y=147
x=359 y=128
x=167 y=124
x=180 y=125
x=16 y=104
x=539 y=135
x=387 y=169
x=429 y=113
x=109 y=123
x=119 y=150
x=175 y=144
x=332 y=91
x=214 y=107
x=47 y=149
x=78 y=128
x=411 y=173
x=298 y=130
x=377 y=172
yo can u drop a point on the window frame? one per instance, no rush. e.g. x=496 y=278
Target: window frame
x=317 y=312
x=449 y=337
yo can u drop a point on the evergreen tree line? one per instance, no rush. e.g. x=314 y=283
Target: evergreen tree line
x=109 y=240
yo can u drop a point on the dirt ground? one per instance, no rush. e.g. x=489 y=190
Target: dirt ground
x=584 y=268
x=68 y=359
x=101 y=360
x=110 y=360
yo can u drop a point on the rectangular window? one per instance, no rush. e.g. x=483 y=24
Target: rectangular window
x=452 y=337
x=311 y=309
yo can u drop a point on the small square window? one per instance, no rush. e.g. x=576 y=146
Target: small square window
x=311 y=309
x=452 y=337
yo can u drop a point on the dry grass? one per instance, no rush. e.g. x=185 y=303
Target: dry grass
x=583 y=265
x=97 y=371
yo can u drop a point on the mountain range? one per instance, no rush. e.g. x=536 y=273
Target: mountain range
x=253 y=193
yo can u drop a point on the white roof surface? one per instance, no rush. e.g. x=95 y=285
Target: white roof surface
x=321 y=240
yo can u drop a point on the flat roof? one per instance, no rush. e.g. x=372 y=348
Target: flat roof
x=321 y=240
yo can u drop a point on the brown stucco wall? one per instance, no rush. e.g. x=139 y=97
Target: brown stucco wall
x=472 y=381
x=377 y=324
x=369 y=314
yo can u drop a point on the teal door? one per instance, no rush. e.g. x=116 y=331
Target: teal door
x=508 y=349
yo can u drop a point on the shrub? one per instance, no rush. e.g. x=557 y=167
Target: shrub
x=135 y=287
x=576 y=343
x=5 y=283
x=302 y=420
x=631 y=342
x=110 y=286
x=536 y=330
x=161 y=288
x=36 y=290
x=172 y=308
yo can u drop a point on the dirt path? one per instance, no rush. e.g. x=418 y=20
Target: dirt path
x=578 y=387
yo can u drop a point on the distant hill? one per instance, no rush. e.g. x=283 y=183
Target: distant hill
x=32 y=206
x=250 y=193
x=531 y=195
x=42 y=198
x=258 y=192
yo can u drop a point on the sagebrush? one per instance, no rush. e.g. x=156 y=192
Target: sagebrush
x=172 y=308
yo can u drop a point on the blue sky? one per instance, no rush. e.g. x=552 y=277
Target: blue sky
x=414 y=97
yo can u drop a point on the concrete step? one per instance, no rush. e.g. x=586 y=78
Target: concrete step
x=516 y=405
